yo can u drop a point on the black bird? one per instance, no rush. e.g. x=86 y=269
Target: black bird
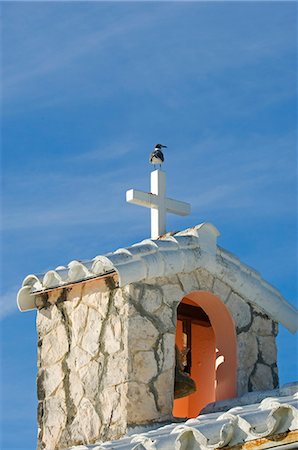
x=156 y=156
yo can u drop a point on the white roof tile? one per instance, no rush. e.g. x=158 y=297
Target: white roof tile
x=272 y=416
x=185 y=251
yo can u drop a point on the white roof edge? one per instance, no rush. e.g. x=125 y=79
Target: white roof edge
x=253 y=287
x=197 y=245
x=25 y=300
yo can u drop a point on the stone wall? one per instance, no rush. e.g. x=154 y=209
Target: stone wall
x=105 y=362
x=256 y=341
x=106 y=355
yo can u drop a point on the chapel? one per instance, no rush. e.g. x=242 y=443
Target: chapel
x=167 y=344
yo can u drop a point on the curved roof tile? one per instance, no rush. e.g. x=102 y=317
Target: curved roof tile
x=243 y=424
x=181 y=252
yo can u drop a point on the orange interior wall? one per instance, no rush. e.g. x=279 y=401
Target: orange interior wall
x=202 y=370
x=225 y=337
x=214 y=360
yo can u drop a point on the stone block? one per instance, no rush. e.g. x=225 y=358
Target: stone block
x=142 y=334
x=164 y=386
x=45 y=324
x=144 y=366
x=168 y=346
x=54 y=295
x=267 y=347
x=112 y=335
x=54 y=346
x=240 y=310
x=52 y=378
x=247 y=350
x=74 y=295
x=133 y=291
x=86 y=423
x=146 y=411
x=189 y=282
x=90 y=376
x=262 y=325
x=122 y=301
x=79 y=321
x=205 y=279
x=90 y=340
x=111 y=406
x=78 y=358
x=55 y=419
x=116 y=370
x=76 y=389
x=151 y=299
x=119 y=298
x=261 y=379
x=221 y=289
x=165 y=315
x=172 y=294
x=242 y=380
x=97 y=296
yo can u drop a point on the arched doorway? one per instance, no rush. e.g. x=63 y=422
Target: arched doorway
x=206 y=328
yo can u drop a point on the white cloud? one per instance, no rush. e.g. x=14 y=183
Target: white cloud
x=8 y=303
x=140 y=50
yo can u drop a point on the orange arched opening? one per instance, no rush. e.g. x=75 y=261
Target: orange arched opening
x=213 y=351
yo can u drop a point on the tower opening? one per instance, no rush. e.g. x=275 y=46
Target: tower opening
x=206 y=339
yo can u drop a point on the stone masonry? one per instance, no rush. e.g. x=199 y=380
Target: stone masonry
x=106 y=355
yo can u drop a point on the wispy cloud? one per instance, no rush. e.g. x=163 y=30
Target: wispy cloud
x=143 y=48
x=8 y=304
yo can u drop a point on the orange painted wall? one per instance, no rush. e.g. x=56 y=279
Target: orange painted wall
x=202 y=371
x=214 y=356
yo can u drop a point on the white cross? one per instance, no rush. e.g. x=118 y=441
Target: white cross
x=158 y=203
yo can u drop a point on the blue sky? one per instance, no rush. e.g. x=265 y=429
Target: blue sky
x=88 y=89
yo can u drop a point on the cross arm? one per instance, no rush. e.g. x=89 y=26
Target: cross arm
x=177 y=207
x=141 y=198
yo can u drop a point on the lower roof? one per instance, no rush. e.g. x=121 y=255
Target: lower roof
x=255 y=423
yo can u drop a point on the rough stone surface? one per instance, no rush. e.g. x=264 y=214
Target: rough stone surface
x=221 y=289
x=112 y=335
x=144 y=366
x=189 y=282
x=261 y=378
x=142 y=333
x=106 y=355
x=172 y=294
x=205 y=279
x=86 y=423
x=267 y=348
x=139 y=394
x=50 y=378
x=92 y=332
x=54 y=346
x=243 y=380
x=165 y=315
x=164 y=385
x=261 y=324
x=247 y=349
x=151 y=299
x=240 y=311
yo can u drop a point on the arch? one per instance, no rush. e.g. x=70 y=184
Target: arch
x=214 y=354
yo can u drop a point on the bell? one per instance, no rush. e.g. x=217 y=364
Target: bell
x=184 y=384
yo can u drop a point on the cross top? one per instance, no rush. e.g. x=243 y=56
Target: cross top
x=158 y=203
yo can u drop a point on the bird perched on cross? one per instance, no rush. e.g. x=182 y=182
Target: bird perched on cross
x=157 y=156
